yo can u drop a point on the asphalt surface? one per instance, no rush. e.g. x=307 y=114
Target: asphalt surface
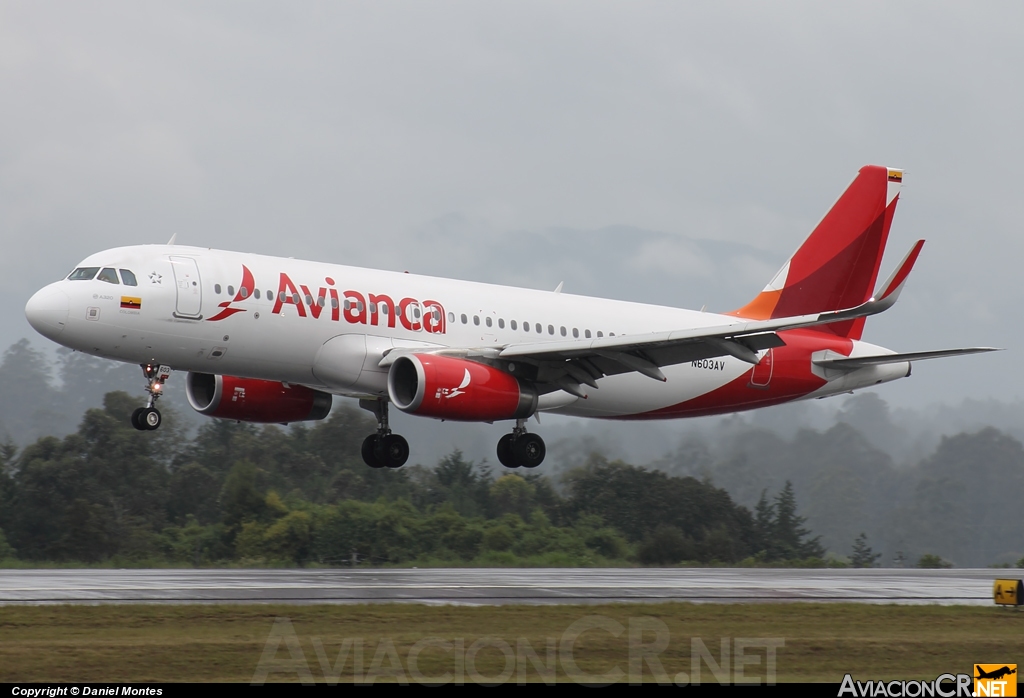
x=498 y=586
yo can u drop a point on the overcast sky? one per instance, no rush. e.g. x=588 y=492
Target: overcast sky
x=435 y=136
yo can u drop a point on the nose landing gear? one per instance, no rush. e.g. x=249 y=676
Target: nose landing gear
x=521 y=449
x=383 y=449
x=148 y=418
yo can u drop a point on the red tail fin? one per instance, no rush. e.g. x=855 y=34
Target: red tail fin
x=837 y=266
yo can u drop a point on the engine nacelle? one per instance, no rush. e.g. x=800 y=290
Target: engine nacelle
x=448 y=388
x=252 y=400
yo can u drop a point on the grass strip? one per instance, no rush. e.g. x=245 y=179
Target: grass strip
x=406 y=642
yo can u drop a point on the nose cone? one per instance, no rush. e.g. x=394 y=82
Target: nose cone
x=47 y=311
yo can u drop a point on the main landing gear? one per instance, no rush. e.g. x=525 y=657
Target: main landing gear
x=383 y=449
x=148 y=418
x=521 y=449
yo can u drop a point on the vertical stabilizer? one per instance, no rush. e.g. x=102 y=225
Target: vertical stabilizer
x=837 y=266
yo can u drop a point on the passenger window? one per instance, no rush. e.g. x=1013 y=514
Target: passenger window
x=373 y=308
x=270 y=294
x=83 y=274
x=231 y=290
x=320 y=301
x=282 y=297
x=243 y=292
x=575 y=333
x=128 y=278
x=526 y=327
x=488 y=320
x=464 y=319
x=538 y=328
x=551 y=329
x=384 y=309
x=415 y=311
x=216 y=289
x=451 y=316
x=586 y=333
x=257 y=294
x=563 y=330
x=476 y=319
x=600 y=333
x=308 y=299
x=108 y=275
x=334 y=303
x=513 y=325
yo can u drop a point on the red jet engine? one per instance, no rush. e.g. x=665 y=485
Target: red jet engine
x=444 y=387
x=252 y=400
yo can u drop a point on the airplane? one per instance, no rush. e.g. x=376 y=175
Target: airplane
x=272 y=340
x=995 y=673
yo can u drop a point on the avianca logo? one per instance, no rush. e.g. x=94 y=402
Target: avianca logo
x=355 y=307
x=244 y=290
x=449 y=393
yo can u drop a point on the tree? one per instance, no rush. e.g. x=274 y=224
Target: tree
x=862 y=555
x=637 y=501
x=930 y=561
x=789 y=533
x=511 y=494
x=764 y=524
x=6 y=551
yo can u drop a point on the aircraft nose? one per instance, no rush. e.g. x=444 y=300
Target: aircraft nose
x=47 y=311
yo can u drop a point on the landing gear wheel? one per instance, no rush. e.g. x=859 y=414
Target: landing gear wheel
x=393 y=451
x=369 y=451
x=383 y=449
x=505 y=456
x=529 y=450
x=149 y=418
x=136 y=422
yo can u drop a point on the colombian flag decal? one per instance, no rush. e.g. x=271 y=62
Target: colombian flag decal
x=131 y=303
x=895 y=176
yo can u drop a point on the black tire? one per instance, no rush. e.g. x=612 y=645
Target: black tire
x=529 y=450
x=136 y=422
x=150 y=418
x=369 y=451
x=505 y=456
x=393 y=451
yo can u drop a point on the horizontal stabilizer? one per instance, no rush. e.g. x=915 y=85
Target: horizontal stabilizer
x=861 y=361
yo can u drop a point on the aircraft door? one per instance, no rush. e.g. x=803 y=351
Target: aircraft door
x=189 y=288
x=762 y=373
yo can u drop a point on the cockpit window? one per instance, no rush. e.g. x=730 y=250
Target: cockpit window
x=128 y=278
x=108 y=275
x=83 y=274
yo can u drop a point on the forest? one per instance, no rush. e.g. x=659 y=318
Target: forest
x=224 y=493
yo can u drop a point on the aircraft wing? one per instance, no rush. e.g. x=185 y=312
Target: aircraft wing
x=566 y=364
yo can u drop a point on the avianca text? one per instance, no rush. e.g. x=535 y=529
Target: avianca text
x=360 y=308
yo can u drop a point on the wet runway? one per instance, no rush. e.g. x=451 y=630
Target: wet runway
x=497 y=586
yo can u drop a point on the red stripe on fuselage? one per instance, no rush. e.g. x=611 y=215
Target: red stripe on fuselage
x=791 y=379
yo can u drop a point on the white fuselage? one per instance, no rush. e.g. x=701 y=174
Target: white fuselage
x=336 y=322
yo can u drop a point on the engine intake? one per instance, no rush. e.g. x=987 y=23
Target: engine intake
x=253 y=400
x=449 y=388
